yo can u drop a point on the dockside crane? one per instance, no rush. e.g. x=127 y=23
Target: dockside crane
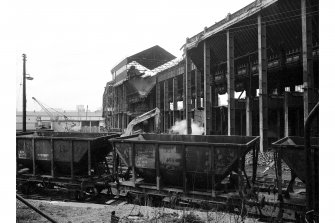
x=54 y=119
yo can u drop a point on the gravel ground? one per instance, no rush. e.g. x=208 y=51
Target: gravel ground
x=73 y=212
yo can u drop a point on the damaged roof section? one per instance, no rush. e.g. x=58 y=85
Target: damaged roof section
x=142 y=63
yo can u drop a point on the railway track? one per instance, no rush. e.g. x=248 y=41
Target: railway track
x=266 y=212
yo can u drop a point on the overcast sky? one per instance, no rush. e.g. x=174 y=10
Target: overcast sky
x=71 y=46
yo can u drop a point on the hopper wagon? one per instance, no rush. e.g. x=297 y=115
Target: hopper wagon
x=207 y=167
x=76 y=161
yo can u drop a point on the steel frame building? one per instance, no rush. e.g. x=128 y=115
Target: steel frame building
x=267 y=51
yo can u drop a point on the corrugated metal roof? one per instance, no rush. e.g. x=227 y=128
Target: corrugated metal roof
x=164 y=67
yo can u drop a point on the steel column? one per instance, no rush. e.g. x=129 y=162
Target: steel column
x=24 y=100
x=52 y=159
x=166 y=105
x=188 y=98
x=89 y=158
x=157 y=164
x=231 y=84
x=207 y=90
x=158 y=101
x=184 y=87
x=262 y=76
x=197 y=88
x=124 y=102
x=286 y=99
x=307 y=58
x=175 y=101
x=34 y=156
x=248 y=116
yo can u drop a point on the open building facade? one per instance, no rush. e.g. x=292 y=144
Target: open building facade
x=263 y=60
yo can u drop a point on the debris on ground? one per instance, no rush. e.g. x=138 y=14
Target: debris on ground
x=125 y=213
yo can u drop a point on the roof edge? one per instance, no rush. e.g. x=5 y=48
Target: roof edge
x=238 y=16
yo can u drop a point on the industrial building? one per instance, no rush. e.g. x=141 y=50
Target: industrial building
x=264 y=59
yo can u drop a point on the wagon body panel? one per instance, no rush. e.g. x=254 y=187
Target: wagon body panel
x=204 y=155
x=293 y=153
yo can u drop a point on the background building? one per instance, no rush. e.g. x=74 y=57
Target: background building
x=263 y=60
x=131 y=91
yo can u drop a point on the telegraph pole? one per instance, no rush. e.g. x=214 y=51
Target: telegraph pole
x=24 y=94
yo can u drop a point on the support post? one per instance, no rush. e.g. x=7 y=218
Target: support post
x=188 y=98
x=115 y=164
x=34 y=156
x=174 y=103
x=166 y=105
x=231 y=84
x=286 y=99
x=89 y=158
x=125 y=103
x=307 y=58
x=249 y=101
x=215 y=102
x=158 y=176
x=158 y=101
x=24 y=100
x=197 y=88
x=207 y=90
x=184 y=90
x=262 y=75
x=254 y=163
x=72 y=161
x=52 y=159
x=248 y=116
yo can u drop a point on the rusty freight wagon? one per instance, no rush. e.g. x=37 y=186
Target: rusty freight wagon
x=292 y=151
x=185 y=164
x=62 y=158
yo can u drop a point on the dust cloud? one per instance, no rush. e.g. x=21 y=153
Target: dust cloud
x=180 y=128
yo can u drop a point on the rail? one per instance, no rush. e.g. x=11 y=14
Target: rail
x=35 y=209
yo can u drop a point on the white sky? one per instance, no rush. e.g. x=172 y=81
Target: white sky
x=71 y=46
